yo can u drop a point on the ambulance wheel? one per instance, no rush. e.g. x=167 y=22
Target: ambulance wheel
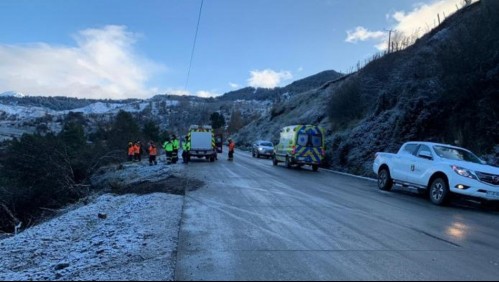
x=274 y=161
x=287 y=163
x=315 y=167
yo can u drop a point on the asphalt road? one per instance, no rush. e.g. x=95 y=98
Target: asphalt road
x=254 y=221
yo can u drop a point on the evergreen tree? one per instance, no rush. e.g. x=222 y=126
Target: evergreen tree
x=151 y=131
x=124 y=130
x=236 y=122
x=217 y=120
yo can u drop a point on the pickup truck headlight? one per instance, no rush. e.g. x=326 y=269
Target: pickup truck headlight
x=464 y=172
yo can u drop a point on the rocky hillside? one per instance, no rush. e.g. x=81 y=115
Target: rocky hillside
x=444 y=88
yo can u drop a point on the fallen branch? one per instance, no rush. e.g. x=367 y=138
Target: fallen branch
x=15 y=221
x=47 y=209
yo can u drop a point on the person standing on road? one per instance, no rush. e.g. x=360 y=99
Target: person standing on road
x=232 y=146
x=137 y=151
x=176 y=145
x=131 y=151
x=153 y=151
x=168 y=147
x=186 y=147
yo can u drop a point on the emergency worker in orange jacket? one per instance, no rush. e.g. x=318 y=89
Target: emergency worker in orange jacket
x=232 y=146
x=153 y=152
x=137 y=151
x=131 y=151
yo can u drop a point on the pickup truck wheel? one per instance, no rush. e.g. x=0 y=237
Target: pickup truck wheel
x=257 y=155
x=385 y=181
x=439 y=191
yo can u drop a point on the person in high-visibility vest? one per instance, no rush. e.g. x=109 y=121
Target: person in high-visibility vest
x=186 y=147
x=137 y=151
x=176 y=145
x=131 y=151
x=232 y=146
x=168 y=147
x=153 y=151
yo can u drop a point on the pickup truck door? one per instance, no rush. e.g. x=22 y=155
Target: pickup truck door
x=403 y=161
x=422 y=163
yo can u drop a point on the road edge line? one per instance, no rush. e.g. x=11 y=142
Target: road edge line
x=348 y=174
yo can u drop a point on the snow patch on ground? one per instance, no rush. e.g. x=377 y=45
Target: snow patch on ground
x=135 y=238
x=135 y=172
x=137 y=241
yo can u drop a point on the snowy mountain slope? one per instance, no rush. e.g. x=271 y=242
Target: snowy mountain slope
x=12 y=94
x=26 y=112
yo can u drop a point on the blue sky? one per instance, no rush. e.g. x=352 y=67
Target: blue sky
x=136 y=49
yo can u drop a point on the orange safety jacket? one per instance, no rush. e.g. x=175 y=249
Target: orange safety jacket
x=137 y=149
x=232 y=145
x=153 y=151
x=131 y=150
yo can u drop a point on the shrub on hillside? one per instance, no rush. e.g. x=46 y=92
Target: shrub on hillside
x=346 y=104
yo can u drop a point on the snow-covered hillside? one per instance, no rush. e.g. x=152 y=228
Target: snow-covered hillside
x=12 y=94
x=112 y=237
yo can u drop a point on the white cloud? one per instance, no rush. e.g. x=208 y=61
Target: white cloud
x=233 y=85
x=178 y=92
x=414 y=23
x=362 y=34
x=206 y=94
x=300 y=69
x=268 y=78
x=184 y=92
x=103 y=64
x=424 y=15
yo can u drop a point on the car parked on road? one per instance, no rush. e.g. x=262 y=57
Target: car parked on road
x=262 y=148
x=438 y=170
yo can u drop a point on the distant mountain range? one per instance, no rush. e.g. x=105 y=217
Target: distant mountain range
x=299 y=86
x=12 y=94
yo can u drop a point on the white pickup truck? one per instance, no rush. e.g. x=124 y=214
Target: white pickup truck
x=439 y=170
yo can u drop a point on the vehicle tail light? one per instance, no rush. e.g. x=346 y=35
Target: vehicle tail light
x=323 y=152
x=294 y=150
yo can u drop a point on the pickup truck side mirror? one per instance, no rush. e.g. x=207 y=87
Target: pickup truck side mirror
x=425 y=155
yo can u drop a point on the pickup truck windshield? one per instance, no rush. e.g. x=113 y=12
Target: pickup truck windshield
x=456 y=154
x=266 y=144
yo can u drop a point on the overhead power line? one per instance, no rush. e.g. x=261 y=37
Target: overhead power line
x=194 y=45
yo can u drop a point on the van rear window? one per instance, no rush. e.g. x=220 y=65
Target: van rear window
x=307 y=140
x=316 y=141
x=302 y=139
